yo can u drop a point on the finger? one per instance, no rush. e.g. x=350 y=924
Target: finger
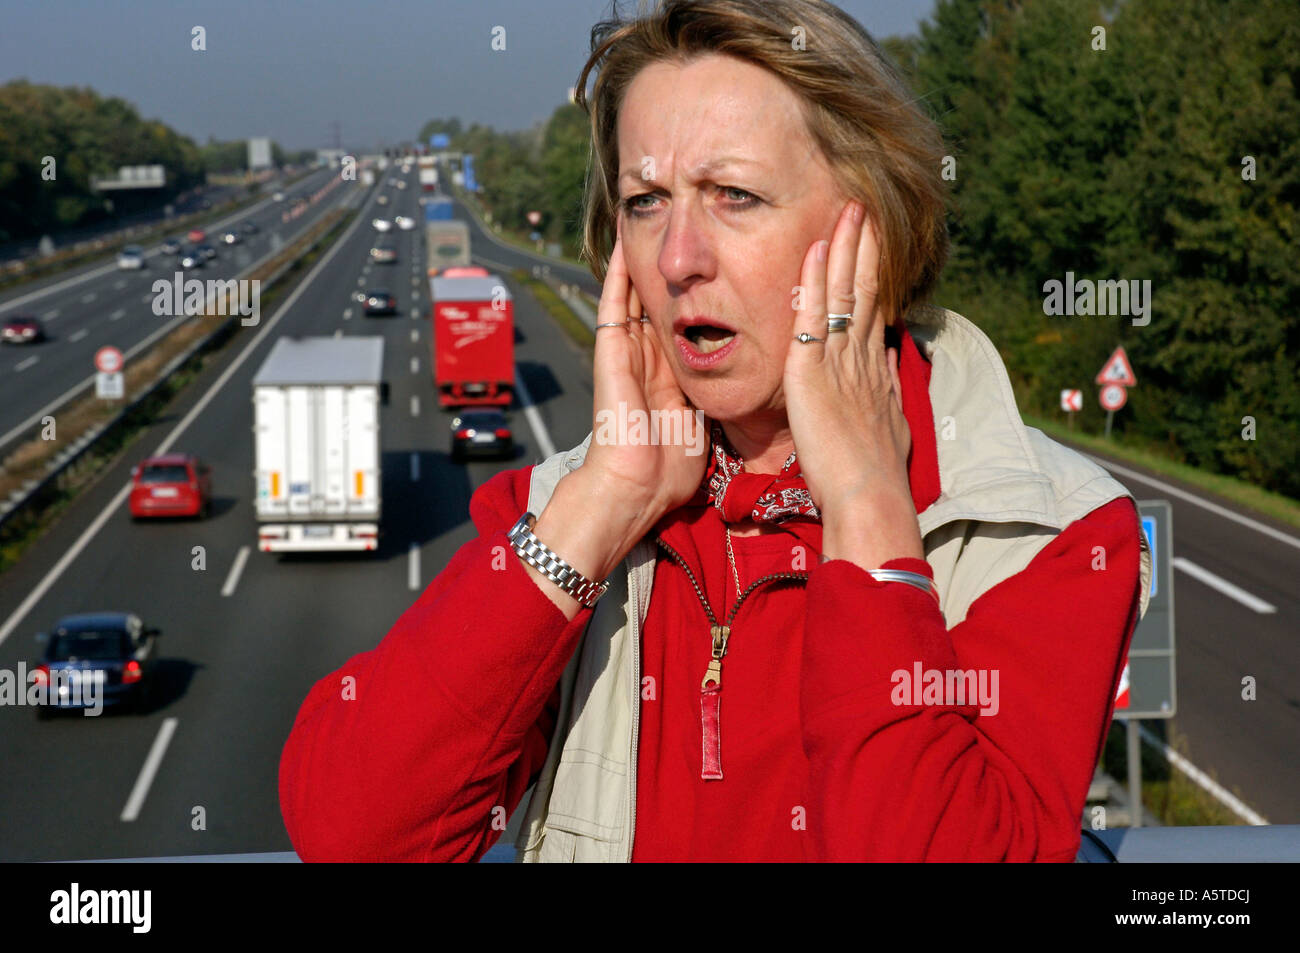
x=810 y=302
x=614 y=293
x=841 y=269
x=868 y=325
x=894 y=376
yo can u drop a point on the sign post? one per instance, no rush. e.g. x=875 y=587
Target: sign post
x=1148 y=684
x=109 y=384
x=1071 y=403
x=1115 y=375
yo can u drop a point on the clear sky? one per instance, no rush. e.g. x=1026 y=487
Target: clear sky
x=380 y=68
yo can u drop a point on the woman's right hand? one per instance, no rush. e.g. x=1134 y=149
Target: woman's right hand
x=634 y=381
x=599 y=511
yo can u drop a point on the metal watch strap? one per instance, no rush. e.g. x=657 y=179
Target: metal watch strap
x=534 y=552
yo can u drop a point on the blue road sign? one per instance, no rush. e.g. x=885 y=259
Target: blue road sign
x=1149 y=528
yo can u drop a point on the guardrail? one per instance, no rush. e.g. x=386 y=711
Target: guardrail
x=1275 y=843
x=65 y=464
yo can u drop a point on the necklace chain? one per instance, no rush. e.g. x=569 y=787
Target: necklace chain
x=732 y=556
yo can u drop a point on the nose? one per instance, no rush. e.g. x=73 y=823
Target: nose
x=687 y=253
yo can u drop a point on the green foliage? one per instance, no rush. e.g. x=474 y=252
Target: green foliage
x=86 y=135
x=1127 y=163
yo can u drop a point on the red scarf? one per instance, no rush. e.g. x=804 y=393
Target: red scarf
x=762 y=497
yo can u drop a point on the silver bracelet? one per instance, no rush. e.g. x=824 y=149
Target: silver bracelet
x=924 y=583
x=532 y=551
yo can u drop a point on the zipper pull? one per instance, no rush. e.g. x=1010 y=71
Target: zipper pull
x=711 y=706
x=713 y=673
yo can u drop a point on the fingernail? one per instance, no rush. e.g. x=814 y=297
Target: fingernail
x=822 y=246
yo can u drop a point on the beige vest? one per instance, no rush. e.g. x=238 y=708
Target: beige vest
x=1007 y=491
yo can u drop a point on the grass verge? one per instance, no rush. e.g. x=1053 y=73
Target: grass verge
x=1280 y=507
x=559 y=311
x=1168 y=794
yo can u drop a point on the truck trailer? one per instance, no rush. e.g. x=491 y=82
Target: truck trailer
x=316 y=444
x=428 y=173
x=473 y=341
x=446 y=243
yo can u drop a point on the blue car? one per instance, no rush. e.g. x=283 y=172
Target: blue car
x=114 y=649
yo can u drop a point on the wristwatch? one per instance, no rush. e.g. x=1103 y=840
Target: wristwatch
x=532 y=551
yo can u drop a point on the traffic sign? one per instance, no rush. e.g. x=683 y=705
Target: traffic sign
x=1148 y=687
x=1113 y=397
x=1072 y=400
x=1117 y=370
x=109 y=386
x=108 y=360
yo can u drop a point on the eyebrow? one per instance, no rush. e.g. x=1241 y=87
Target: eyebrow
x=704 y=168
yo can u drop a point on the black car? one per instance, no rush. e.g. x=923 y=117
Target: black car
x=190 y=258
x=22 y=329
x=207 y=251
x=380 y=302
x=251 y=228
x=171 y=246
x=98 y=659
x=481 y=433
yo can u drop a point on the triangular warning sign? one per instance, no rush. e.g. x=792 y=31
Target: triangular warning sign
x=1117 y=370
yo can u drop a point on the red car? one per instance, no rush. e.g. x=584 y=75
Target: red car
x=175 y=484
x=197 y=234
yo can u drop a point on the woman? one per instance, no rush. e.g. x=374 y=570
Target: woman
x=919 y=607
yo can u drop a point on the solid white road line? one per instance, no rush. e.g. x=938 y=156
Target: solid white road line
x=1200 y=778
x=1197 y=501
x=413 y=568
x=534 y=418
x=78 y=336
x=1225 y=587
x=151 y=763
x=415 y=467
x=232 y=580
x=38 y=591
x=415 y=405
x=23 y=365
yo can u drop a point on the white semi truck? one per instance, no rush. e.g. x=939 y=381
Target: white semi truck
x=316 y=407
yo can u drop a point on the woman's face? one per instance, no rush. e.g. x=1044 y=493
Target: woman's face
x=721 y=244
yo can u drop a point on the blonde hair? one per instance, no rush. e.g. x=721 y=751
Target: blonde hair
x=880 y=145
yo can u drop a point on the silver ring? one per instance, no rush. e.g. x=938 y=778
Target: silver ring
x=837 y=323
x=645 y=320
x=804 y=337
x=612 y=324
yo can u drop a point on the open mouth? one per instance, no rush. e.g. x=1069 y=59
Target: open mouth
x=706 y=338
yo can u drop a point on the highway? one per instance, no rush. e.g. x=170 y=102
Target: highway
x=245 y=638
x=239 y=665
x=98 y=304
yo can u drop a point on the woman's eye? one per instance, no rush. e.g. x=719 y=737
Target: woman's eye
x=737 y=199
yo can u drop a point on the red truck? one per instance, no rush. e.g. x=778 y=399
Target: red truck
x=473 y=341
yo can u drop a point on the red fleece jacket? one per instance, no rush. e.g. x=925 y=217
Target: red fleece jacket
x=824 y=755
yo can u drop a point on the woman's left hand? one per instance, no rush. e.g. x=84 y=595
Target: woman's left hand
x=843 y=397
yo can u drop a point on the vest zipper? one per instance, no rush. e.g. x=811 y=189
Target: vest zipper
x=711 y=686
